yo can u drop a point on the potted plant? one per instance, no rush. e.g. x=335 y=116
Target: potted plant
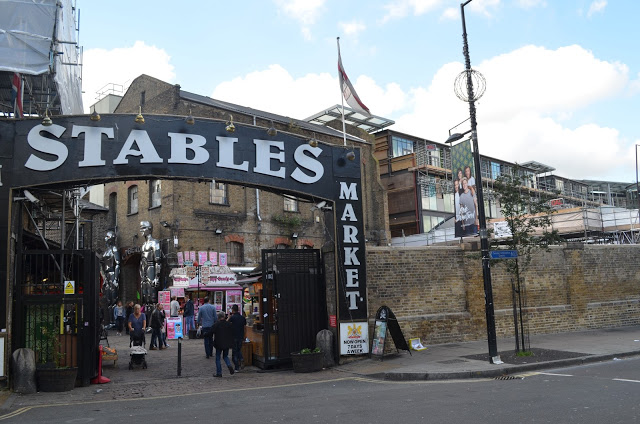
x=307 y=360
x=52 y=372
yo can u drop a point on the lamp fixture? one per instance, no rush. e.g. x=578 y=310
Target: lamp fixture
x=47 y=122
x=95 y=116
x=456 y=136
x=139 y=117
x=313 y=142
x=190 y=120
x=165 y=224
x=272 y=130
x=294 y=235
x=175 y=241
x=218 y=231
x=351 y=155
x=230 y=127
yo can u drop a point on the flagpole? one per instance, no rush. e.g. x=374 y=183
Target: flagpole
x=344 y=131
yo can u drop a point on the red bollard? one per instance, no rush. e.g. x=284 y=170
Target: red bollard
x=100 y=379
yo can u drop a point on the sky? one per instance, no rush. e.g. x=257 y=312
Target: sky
x=562 y=76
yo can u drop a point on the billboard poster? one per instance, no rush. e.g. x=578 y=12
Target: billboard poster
x=192 y=255
x=180 y=259
x=213 y=258
x=202 y=257
x=464 y=190
x=223 y=259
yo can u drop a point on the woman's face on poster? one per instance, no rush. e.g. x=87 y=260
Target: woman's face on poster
x=465 y=184
x=467 y=172
x=459 y=175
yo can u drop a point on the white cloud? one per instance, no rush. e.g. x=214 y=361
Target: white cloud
x=275 y=90
x=484 y=7
x=531 y=95
x=306 y=12
x=596 y=7
x=352 y=28
x=450 y=13
x=121 y=66
x=530 y=92
x=401 y=8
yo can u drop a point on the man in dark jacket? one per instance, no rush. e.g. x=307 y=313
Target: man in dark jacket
x=222 y=341
x=157 y=322
x=187 y=313
x=238 y=323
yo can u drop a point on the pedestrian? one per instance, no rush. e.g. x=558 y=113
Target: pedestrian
x=174 y=306
x=223 y=340
x=207 y=318
x=118 y=315
x=188 y=313
x=157 y=322
x=127 y=313
x=137 y=323
x=238 y=324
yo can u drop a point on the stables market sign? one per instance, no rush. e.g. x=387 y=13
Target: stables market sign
x=75 y=150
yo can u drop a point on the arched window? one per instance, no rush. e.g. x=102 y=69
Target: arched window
x=132 y=204
x=113 y=209
x=155 y=194
x=235 y=253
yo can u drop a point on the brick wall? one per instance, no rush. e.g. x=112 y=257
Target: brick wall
x=437 y=293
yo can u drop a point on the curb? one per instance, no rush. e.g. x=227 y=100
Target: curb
x=498 y=372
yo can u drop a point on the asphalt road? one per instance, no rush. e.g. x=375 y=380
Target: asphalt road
x=606 y=392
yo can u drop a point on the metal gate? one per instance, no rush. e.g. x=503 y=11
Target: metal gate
x=56 y=310
x=294 y=298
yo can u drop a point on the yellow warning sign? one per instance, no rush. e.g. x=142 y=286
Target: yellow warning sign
x=69 y=287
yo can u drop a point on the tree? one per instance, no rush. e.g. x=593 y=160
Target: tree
x=528 y=227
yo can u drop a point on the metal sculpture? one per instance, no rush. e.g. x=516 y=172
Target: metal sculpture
x=150 y=264
x=110 y=269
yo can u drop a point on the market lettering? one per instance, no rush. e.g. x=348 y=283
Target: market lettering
x=350 y=236
x=187 y=149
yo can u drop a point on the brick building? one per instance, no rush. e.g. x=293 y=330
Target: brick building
x=211 y=215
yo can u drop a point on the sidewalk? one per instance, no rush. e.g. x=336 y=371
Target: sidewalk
x=437 y=362
x=450 y=361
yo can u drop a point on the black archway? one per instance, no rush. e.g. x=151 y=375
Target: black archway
x=75 y=150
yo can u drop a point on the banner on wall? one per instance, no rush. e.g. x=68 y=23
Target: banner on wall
x=202 y=257
x=180 y=259
x=354 y=338
x=464 y=190
x=223 y=259
x=213 y=258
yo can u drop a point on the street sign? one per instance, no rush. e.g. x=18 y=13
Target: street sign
x=503 y=254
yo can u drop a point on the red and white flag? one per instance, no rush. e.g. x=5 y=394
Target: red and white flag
x=16 y=95
x=348 y=92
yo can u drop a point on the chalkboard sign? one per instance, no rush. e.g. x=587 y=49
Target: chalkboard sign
x=385 y=319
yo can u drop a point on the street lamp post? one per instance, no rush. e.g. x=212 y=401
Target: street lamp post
x=484 y=241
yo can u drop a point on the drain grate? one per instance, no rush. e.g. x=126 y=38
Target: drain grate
x=508 y=377
x=452 y=361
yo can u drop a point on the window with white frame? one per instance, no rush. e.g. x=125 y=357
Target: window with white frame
x=155 y=193
x=290 y=204
x=132 y=204
x=218 y=194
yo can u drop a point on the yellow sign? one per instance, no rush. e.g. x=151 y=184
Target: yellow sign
x=69 y=287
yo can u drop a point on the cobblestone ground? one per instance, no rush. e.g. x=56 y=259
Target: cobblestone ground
x=160 y=378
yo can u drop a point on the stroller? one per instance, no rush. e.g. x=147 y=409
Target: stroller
x=138 y=352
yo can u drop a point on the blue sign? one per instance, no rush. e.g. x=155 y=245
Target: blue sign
x=503 y=254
